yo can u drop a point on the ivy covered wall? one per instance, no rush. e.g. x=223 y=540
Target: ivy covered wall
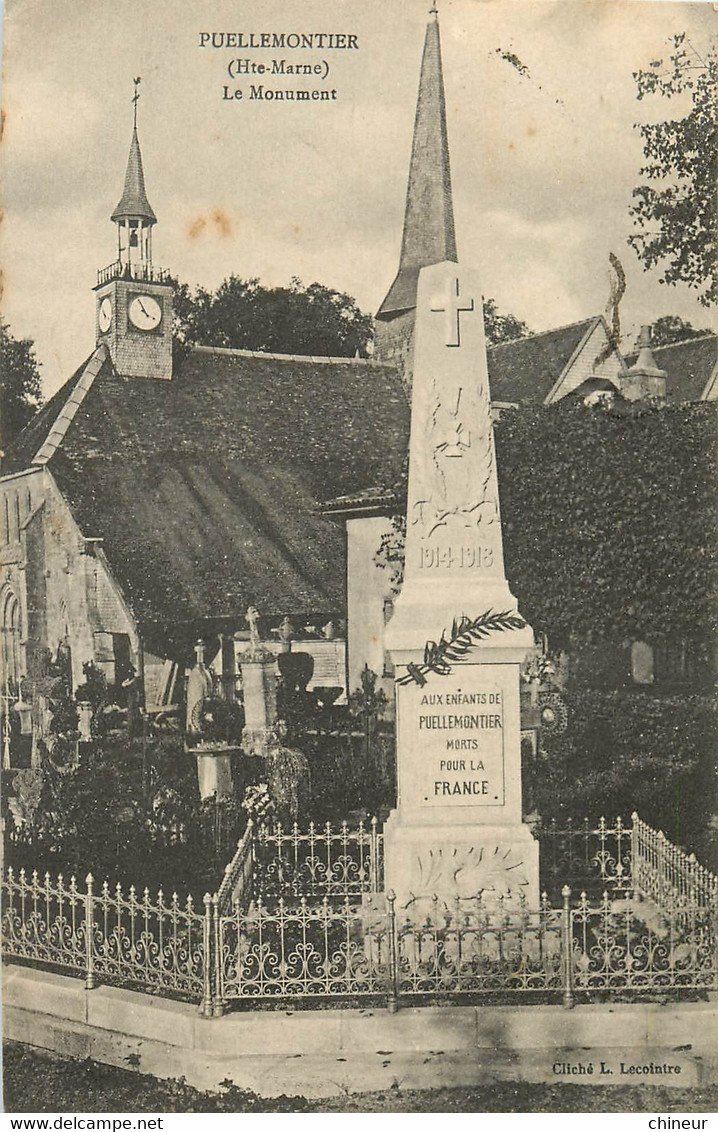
x=610 y=519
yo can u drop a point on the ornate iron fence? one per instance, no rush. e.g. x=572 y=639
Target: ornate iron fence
x=299 y=951
x=664 y=873
x=592 y=857
x=238 y=876
x=45 y=922
x=332 y=933
x=105 y=936
x=473 y=948
x=625 y=946
x=154 y=945
x=321 y=861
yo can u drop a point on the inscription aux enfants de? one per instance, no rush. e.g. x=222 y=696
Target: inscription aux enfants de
x=460 y=752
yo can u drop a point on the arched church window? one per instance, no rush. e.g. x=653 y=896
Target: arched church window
x=10 y=633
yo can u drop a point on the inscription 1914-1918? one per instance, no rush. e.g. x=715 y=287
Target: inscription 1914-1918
x=462 y=557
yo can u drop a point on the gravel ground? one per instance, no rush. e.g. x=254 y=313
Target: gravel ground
x=38 y=1081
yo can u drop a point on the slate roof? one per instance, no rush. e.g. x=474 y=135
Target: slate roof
x=205 y=488
x=19 y=454
x=688 y=365
x=526 y=369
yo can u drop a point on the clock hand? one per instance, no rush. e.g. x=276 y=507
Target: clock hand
x=141 y=306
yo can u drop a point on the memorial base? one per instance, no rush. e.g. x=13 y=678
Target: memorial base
x=423 y=861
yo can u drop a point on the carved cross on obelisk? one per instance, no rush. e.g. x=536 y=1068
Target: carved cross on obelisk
x=453 y=309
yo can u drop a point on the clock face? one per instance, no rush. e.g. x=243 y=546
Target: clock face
x=145 y=312
x=104 y=315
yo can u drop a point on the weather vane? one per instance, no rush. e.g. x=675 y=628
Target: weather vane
x=136 y=98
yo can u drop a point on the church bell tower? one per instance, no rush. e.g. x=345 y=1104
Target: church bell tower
x=134 y=298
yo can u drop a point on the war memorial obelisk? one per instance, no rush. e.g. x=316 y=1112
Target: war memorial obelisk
x=457 y=827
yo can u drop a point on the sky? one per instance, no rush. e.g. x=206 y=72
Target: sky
x=543 y=162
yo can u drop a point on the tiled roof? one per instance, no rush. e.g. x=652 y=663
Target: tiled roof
x=526 y=369
x=688 y=365
x=66 y=416
x=21 y=452
x=204 y=489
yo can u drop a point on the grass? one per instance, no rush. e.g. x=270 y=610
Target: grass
x=38 y=1081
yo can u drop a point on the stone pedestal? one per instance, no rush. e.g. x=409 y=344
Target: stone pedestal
x=456 y=638
x=259 y=683
x=457 y=828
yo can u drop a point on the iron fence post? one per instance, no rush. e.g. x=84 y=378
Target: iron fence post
x=636 y=883
x=251 y=872
x=392 y=1001
x=205 y=1007
x=373 y=858
x=567 y=949
x=218 y=1003
x=90 y=980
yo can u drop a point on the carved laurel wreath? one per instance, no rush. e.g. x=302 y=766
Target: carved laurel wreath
x=439 y=656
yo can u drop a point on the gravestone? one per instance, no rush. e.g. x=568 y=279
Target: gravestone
x=214 y=768
x=457 y=828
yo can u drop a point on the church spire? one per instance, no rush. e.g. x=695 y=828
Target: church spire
x=429 y=215
x=133 y=204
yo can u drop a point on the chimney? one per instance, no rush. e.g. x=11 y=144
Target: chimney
x=644 y=380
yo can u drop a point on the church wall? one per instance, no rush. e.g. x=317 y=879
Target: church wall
x=368 y=591
x=82 y=603
x=35 y=625
x=394 y=343
x=20 y=496
x=64 y=587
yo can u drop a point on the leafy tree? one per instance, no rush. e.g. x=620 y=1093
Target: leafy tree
x=20 y=390
x=671 y=328
x=242 y=314
x=501 y=327
x=675 y=212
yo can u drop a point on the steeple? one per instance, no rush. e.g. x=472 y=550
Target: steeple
x=134 y=298
x=429 y=215
x=133 y=204
x=134 y=215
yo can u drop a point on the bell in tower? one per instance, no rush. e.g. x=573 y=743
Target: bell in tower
x=134 y=298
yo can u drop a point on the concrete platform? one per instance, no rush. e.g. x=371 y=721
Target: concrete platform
x=322 y=1053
